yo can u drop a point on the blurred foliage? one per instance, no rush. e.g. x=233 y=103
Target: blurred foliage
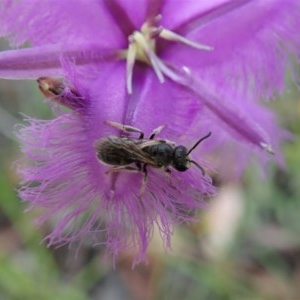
x=256 y=255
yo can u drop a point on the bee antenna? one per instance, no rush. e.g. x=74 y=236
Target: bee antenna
x=198 y=142
x=196 y=164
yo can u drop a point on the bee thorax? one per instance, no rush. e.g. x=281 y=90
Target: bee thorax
x=162 y=153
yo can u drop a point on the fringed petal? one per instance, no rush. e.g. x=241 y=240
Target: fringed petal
x=252 y=40
x=55 y=21
x=31 y=63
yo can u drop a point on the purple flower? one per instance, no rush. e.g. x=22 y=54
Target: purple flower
x=194 y=66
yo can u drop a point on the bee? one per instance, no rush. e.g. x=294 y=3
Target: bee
x=135 y=154
x=59 y=92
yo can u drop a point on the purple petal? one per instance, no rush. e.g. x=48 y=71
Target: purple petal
x=235 y=118
x=47 y=60
x=226 y=113
x=30 y=63
x=185 y=11
x=56 y=21
x=130 y=15
x=228 y=150
x=153 y=104
x=251 y=44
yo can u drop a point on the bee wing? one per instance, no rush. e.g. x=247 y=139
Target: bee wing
x=127 y=148
x=135 y=148
x=147 y=143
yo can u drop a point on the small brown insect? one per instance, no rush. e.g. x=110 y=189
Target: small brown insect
x=135 y=154
x=59 y=92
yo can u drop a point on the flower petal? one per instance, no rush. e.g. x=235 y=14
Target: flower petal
x=225 y=113
x=47 y=60
x=30 y=63
x=73 y=186
x=251 y=45
x=238 y=121
x=56 y=21
x=184 y=11
x=131 y=15
x=230 y=152
x=161 y=104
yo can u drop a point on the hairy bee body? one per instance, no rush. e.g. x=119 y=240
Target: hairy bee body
x=135 y=154
x=121 y=151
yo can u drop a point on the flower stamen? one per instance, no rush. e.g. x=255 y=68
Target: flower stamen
x=151 y=57
x=172 y=36
x=131 y=56
x=142 y=47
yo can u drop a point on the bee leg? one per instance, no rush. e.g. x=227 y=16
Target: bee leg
x=145 y=180
x=113 y=180
x=137 y=168
x=156 y=131
x=142 y=169
x=125 y=128
x=168 y=173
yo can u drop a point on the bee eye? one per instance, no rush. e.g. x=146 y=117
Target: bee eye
x=180 y=153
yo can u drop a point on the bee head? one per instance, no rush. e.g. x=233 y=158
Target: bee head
x=181 y=160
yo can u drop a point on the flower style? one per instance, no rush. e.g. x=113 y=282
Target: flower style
x=194 y=66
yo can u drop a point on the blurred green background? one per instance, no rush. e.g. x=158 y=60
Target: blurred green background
x=246 y=246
